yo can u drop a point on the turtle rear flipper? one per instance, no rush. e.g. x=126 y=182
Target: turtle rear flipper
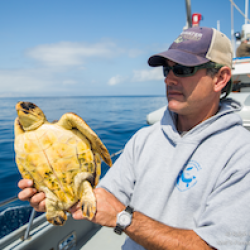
x=54 y=215
x=57 y=218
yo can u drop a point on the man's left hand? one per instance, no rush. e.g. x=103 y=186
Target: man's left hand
x=107 y=208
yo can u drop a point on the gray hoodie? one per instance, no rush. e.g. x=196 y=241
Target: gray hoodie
x=198 y=181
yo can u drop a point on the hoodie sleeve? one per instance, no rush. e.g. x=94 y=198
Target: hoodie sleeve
x=120 y=178
x=225 y=221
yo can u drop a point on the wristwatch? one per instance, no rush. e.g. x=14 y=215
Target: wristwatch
x=124 y=219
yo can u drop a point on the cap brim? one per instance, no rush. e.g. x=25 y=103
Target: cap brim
x=177 y=56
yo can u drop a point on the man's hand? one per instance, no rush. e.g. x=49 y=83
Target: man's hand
x=107 y=208
x=28 y=193
x=145 y=231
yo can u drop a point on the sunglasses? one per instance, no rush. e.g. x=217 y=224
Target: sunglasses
x=184 y=71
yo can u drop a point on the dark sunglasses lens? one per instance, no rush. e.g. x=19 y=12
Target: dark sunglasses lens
x=179 y=70
x=183 y=71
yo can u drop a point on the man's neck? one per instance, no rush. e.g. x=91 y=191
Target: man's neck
x=186 y=123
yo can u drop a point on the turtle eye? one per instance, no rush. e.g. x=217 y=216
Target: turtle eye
x=31 y=105
x=25 y=105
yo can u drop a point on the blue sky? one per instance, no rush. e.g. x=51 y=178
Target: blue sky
x=94 y=47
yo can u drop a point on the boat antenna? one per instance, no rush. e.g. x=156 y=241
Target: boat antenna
x=232 y=28
x=188 y=10
x=246 y=11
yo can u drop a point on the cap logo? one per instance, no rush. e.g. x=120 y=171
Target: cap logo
x=187 y=35
x=179 y=40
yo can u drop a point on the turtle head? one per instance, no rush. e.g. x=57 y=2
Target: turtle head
x=30 y=116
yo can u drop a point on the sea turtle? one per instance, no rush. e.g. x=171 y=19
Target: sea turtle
x=62 y=158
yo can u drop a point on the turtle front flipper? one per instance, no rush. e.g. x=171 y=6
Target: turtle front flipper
x=71 y=120
x=18 y=127
x=54 y=215
x=88 y=200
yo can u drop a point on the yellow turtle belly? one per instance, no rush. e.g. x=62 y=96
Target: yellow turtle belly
x=58 y=161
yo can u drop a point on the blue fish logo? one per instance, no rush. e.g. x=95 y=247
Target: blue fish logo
x=187 y=178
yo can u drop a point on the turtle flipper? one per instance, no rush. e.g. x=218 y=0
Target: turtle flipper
x=57 y=219
x=54 y=215
x=98 y=169
x=88 y=200
x=71 y=120
x=18 y=127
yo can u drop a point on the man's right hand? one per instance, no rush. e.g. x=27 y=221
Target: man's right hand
x=28 y=193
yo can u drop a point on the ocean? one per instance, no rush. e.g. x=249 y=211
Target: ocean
x=114 y=119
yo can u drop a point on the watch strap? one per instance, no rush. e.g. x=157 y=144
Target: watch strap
x=129 y=209
x=118 y=230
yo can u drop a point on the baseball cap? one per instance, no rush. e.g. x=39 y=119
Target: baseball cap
x=195 y=46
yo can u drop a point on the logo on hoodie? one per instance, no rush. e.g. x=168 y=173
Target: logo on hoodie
x=187 y=178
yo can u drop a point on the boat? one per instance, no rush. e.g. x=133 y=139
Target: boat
x=39 y=234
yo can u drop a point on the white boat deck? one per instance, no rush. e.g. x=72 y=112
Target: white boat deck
x=105 y=238
x=74 y=235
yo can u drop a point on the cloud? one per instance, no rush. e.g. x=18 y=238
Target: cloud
x=72 y=53
x=25 y=80
x=37 y=81
x=68 y=67
x=115 y=80
x=148 y=75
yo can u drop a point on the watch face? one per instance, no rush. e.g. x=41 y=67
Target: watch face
x=125 y=220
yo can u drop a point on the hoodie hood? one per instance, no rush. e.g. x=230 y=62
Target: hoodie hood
x=223 y=120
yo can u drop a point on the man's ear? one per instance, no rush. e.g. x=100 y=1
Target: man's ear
x=222 y=78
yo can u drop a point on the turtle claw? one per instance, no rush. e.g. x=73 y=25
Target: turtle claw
x=58 y=220
x=88 y=209
x=88 y=201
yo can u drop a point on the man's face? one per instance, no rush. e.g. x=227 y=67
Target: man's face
x=190 y=95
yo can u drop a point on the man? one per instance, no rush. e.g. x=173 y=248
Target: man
x=244 y=49
x=187 y=177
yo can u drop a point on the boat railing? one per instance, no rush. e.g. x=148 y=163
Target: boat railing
x=9 y=200
x=238 y=86
x=33 y=212
x=31 y=218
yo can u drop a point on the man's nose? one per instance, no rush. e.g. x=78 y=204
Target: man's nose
x=170 y=79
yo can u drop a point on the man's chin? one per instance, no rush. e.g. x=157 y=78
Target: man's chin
x=175 y=106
